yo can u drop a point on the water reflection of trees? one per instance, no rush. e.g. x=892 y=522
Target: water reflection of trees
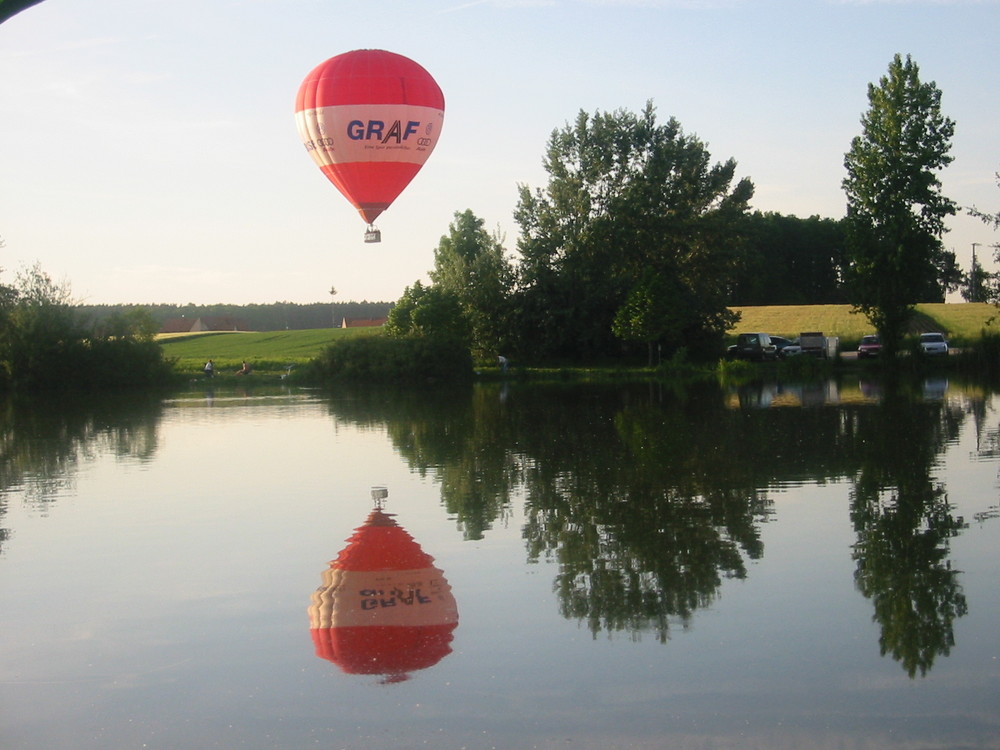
x=648 y=500
x=44 y=442
x=630 y=497
x=903 y=522
x=459 y=436
x=625 y=487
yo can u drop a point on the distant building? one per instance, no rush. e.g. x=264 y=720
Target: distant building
x=195 y=325
x=362 y=322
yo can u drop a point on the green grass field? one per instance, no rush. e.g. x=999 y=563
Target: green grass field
x=267 y=351
x=962 y=323
x=273 y=351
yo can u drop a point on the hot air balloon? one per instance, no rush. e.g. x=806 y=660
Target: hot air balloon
x=383 y=608
x=369 y=119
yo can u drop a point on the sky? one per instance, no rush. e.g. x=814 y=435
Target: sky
x=149 y=152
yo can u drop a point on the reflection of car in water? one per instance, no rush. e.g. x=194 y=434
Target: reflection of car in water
x=776 y=394
x=870 y=389
x=756 y=396
x=870 y=346
x=935 y=389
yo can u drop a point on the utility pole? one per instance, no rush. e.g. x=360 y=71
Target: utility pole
x=975 y=275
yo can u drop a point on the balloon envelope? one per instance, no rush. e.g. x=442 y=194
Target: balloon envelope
x=369 y=119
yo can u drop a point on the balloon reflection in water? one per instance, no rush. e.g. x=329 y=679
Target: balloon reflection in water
x=383 y=607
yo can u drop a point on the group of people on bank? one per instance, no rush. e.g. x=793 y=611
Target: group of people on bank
x=246 y=369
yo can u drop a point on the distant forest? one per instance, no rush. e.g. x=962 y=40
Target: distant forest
x=275 y=316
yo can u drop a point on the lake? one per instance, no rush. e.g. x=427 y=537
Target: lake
x=548 y=566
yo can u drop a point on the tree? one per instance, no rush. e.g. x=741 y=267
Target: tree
x=39 y=328
x=978 y=283
x=791 y=261
x=470 y=264
x=628 y=200
x=428 y=312
x=895 y=208
x=46 y=344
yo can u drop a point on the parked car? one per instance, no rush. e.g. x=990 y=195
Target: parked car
x=780 y=342
x=870 y=346
x=753 y=346
x=786 y=347
x=933 y=344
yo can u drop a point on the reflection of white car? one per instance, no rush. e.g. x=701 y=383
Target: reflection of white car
x=933 y=343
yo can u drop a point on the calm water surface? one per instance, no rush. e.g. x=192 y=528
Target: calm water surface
x=613 y=567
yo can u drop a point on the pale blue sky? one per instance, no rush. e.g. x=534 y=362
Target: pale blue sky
x=149 y=150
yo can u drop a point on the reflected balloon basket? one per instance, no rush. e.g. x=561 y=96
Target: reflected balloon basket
x=383 y=608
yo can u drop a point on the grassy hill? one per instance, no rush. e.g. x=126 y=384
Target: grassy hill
x=269 y=351
x=962 y=323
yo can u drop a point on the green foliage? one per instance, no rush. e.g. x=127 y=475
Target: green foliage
x=791 y=261
x=903 y=521
x=45 y=346
x=628 y=200
x=135 y=323
x=895 y=208
x=428 y=312
x=385 y=359
x=981 y=357
x=470 y=264
x=981 y=285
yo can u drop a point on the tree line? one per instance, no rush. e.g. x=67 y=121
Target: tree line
x=640 y=243
x=274 y=316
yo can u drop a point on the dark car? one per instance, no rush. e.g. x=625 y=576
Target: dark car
x=753 y=346
x=870 y=346
x=781 y=343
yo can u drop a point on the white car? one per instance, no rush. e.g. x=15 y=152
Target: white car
x=933 y=343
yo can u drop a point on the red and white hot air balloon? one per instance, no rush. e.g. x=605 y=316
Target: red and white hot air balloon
x=369 y=119
x=383 y=607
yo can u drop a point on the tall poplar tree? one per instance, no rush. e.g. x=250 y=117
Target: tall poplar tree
x=895 y=208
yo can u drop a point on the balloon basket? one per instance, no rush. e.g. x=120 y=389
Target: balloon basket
x=373 y=235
